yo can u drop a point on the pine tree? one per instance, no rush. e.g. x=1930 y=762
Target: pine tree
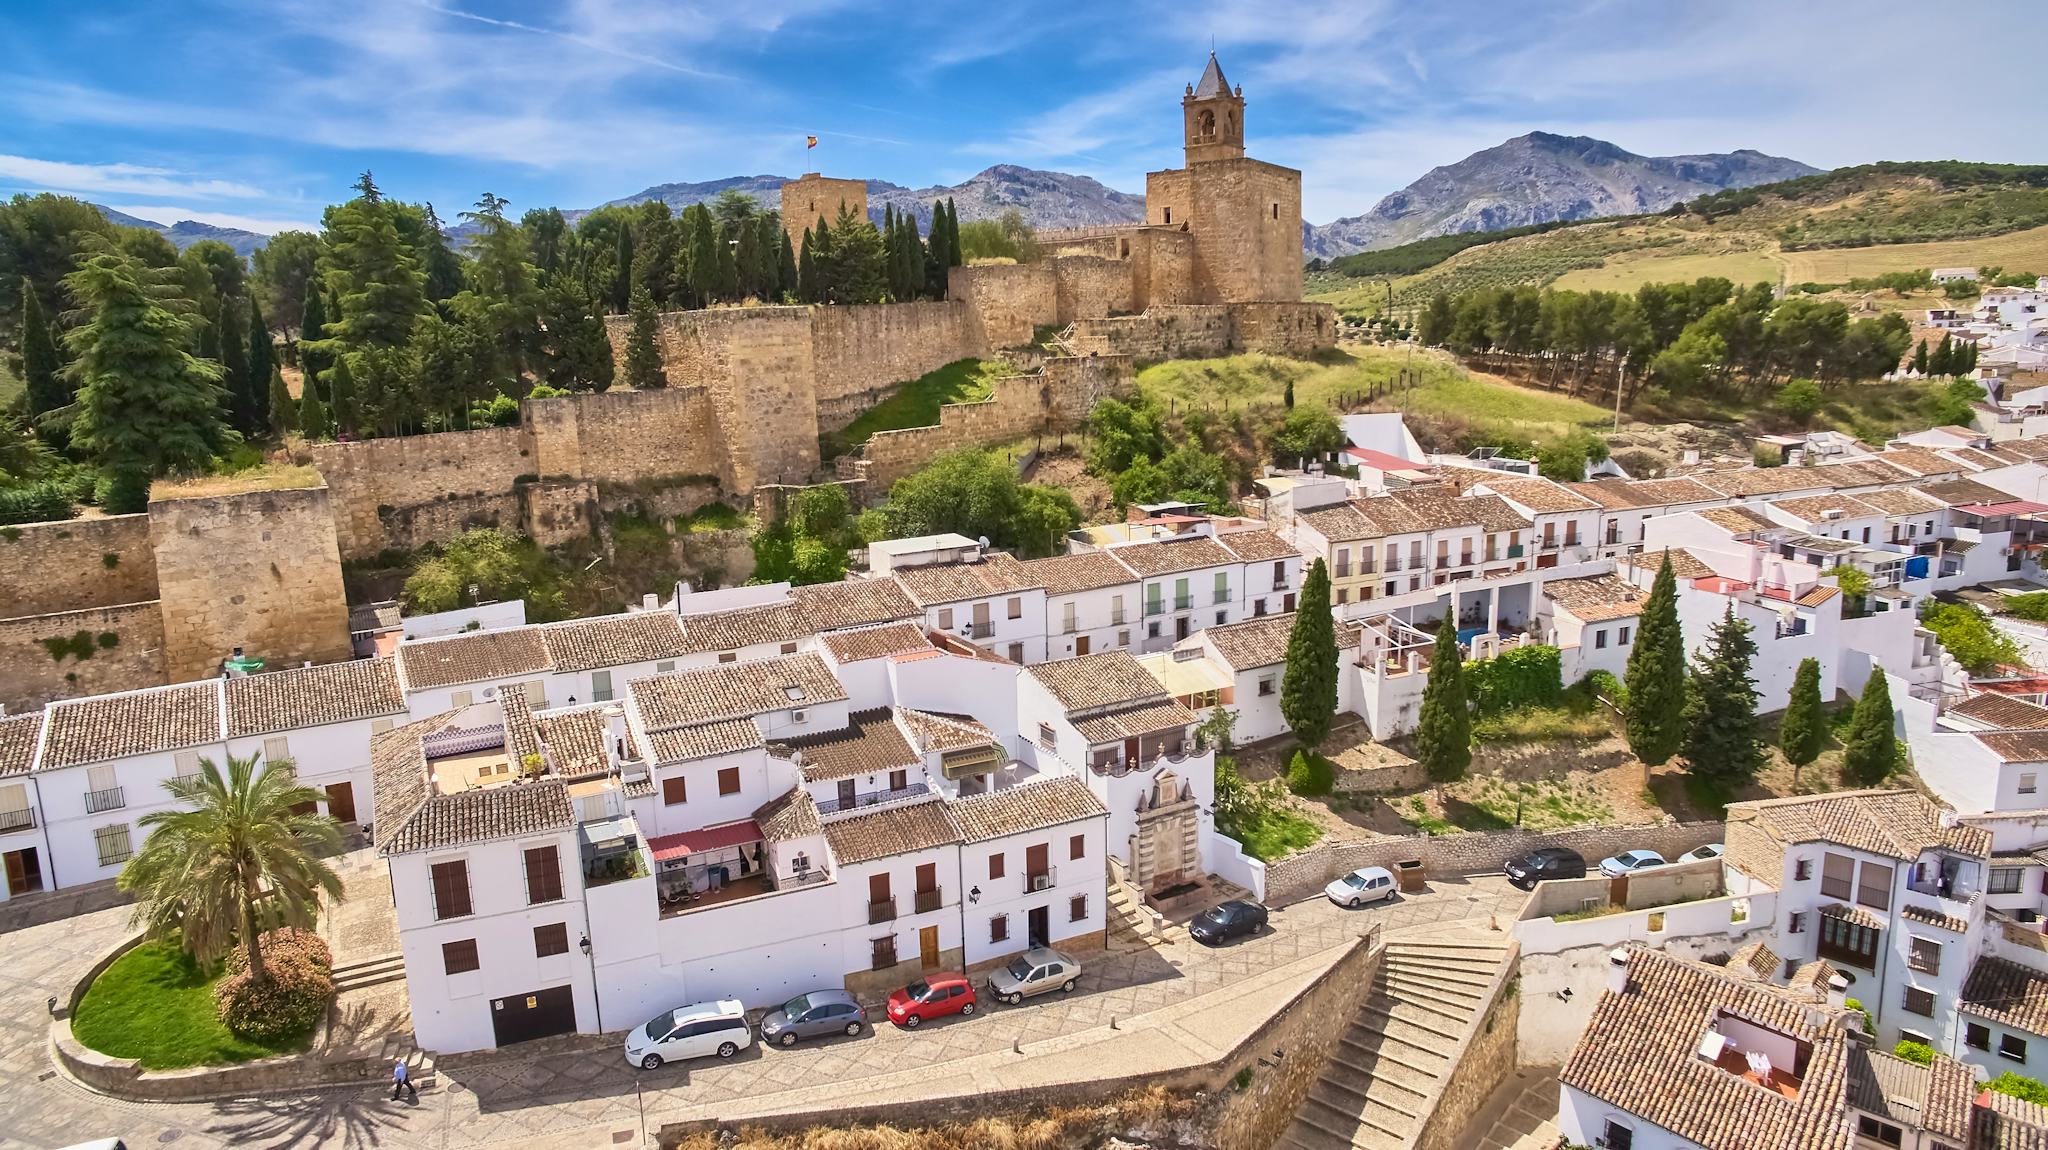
x=1920 y=358
x=243 y=405
x=1804 y=727
x=621 y=297
x=1443 y=731
x=578 y=355
x=313 y=360
x=41 y=367
x=341 y=387
x=1308 y=685
x=379 y=289
x=146 y=405
x=1656 y=674
x=282 y=413
x=312 y=413
x=262 y=362
x=1871 y=750
x=643 y=358
x=1723 y=742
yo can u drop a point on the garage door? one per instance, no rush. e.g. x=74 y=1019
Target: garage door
x=536 y=1015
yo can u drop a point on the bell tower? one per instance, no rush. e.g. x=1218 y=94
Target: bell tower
x=1213 y=113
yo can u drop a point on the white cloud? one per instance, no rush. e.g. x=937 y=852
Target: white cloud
x=168 y=214
x=117 y=179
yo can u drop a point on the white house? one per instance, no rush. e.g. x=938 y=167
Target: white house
x=992 y=602
x=1091 y=602
x=1187 y=584
x=1032 y=858
x=321 y=719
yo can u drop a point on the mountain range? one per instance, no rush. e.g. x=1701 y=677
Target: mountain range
x=1538 y=178
x=185 y=233
x=1530 y=179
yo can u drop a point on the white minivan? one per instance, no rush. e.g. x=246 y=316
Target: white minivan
x=694 y=1031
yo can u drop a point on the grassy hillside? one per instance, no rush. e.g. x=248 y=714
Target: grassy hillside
x=1848 y=224
x=917 y=402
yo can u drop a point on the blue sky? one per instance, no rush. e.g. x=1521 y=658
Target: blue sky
x=258 y=112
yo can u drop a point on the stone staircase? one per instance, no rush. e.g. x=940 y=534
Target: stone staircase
x=373 y=971
x=1389 y=1066
x=1133 y=926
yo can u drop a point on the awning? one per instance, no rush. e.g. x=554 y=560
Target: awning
x=670 y=847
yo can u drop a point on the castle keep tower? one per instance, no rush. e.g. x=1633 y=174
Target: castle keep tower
x=1244 y=215
x=812 y=195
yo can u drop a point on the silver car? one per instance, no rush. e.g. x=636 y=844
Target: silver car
x=1034 y=972
x=810 y=1015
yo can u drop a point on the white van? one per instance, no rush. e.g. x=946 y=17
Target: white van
x=694 y=1031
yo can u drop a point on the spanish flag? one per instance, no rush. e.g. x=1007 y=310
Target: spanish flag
x=810 y=142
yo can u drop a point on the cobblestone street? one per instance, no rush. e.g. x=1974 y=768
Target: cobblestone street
x=589 y=1096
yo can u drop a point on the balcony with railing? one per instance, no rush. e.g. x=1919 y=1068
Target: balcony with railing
x=1041 y=879
x=1155 y=606
x=860 y=800
x=926 y=901
x=882 y=910
x=21 y=820
x=1183 y=602
x=980 y=630
x=104 y=800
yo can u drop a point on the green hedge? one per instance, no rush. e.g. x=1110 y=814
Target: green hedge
x=1529 y=676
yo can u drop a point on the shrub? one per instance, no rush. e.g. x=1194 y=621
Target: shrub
x=2019 y=1086
x=1915 y=1052
x=1527 y=676
x=284 y=943
x=1605 y=685
x=287 y=1004
x=1310 y=774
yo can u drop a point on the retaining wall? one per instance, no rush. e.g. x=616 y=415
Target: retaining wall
x=370 y=480
x=1485 y=1059
x=1057 y=397
x=75 y=563
x=30 y=676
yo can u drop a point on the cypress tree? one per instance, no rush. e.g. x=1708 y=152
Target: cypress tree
x=1443 y=732
x=1871 y=750
x=40 y=365
x=1803 y=728
x=938 y=256
x=1723 y=743
x=262 y=362
x=1656 y=674
x=621 y=295
x=342 y=389
x=234 y=361
x=312 y=413
x=643 y=358
x=312 y=328
x=282 y=413
x=1942 y=362
x=1308 y=685
x=1920 y=358
x=952 y=234
x=1969 y=363
x=807 y=273
x=786 y=271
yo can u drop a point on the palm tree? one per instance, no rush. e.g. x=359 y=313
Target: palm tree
x=234 y=861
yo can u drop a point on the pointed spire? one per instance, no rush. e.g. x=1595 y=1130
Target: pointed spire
x=1212 y=82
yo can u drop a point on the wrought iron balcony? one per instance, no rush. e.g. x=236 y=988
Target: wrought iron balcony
x=1041 y=880
x=106 y=800
x=883 y=910
x=929 y=900
x=20 y=820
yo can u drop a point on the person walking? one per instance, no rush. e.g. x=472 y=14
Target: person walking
x=401 y=1082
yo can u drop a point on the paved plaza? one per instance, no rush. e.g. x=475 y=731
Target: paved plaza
x=582 y=1094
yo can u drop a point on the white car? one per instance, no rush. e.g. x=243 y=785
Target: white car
x=1703 y=854
x=1364 y=885
x=694 y=1031
x=1629 y=862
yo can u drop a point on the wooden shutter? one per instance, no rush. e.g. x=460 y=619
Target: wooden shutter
x=543 y=875
x=451 y=889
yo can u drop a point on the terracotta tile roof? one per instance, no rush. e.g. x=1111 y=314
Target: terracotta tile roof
x=891 y=831
x=18 y=735
x=942 y=731
x=1025 y=808
x=793 y=816
x=472 y=658
x=1597 y=598
x=1342 y=523
x=1085 y=571
x=745 y=627
x=1756 y=960
x=312 y=696
x=1106 y=679
x=575 y=740
x=614 y=640
x=1932 y=917
x=1815 y=508
x=412 y=817
x=875 y=642
x=522 y=734
x=1134 y=721
x=704 y=740
x=1258 y=546
x=1855 y=915
x=103 y=727
x=2006 y=993
x=1981 y=460
x=1763 y=480
x=1172 y=556
x=1541 y=495
x=1900 y=501
x=1262 y=641
x=1950 y=1087
x=870 y=744
x=853 y=603
x=1740 y=520
x=1887 y=1085
x=1999 y=1121
x=1683 y=563
x=1630 y=494
x=2002 y=712
x=997 y=573
x=1920 y=461
x=1896 y=824
x=1962 y=492
x=1816 y=595
x=733 y=690
x=1640 y=1054
x=2017 y=746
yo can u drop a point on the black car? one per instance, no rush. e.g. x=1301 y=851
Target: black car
x=1546 y=863
x=1228 y=920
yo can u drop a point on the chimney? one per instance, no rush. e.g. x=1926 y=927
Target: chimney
x=1617 y=970
x=615 y=731
x=649 y=601
x=1838 y=992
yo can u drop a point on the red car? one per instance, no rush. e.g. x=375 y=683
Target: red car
x=934 y=997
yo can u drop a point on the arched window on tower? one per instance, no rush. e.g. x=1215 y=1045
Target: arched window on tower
x=1206 y=126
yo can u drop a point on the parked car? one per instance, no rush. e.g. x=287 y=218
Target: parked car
x=1703 y=854
x=810 y=1015
x=1228 y=920
x=929 y=998
x=693 y=1031
x=1546 y=863
x=1629 y=862
x=1034 y=972
x=1364 y=885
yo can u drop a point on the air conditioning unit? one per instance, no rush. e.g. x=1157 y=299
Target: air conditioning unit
x=1041 y=882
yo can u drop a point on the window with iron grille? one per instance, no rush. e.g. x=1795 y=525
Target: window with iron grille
x=551 y=939
x=1837 y=874
x=1920 y=1001
x=112 y=843
x=459 y=957
x=1924 y=954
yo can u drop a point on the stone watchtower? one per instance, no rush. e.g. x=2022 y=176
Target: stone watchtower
x=812 y=195
x=1244 y=215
